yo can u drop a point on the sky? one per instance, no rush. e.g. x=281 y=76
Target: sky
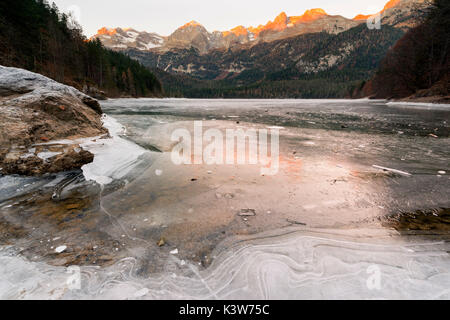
x=165 y=16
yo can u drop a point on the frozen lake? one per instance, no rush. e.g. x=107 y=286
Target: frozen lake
x=331 y=223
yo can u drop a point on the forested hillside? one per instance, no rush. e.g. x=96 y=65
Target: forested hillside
x=317 y=65
x=37 y=37
x=418 y=66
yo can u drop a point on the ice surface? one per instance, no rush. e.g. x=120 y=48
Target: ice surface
x=326 y=181
x=323 y=264
x=11 y=186
x=114 y=158
x=420 y=105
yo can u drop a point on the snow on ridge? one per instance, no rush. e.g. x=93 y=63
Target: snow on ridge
x=133 y=34
x=150 y=45
x=120 y=46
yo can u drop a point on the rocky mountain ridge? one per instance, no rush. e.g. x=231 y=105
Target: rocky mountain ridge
x=119 y=38
x=398 y=13
x=195 y=35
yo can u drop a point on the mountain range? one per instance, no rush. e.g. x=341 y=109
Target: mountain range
x=396 y=13
x=272 y=60
x=193 y=34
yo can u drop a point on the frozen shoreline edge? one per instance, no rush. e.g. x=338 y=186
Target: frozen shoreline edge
x=420 y=105
x=114 y=157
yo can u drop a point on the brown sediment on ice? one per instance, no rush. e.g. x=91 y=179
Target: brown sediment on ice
x=39 y=225
x=437 y=220
x=10 y=232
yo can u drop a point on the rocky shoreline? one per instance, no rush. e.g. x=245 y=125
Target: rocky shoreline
x=36 y=113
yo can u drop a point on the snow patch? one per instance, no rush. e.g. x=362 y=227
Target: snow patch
x=120 y=46
x=47 y=155
x=61 y=249
x=150 y=45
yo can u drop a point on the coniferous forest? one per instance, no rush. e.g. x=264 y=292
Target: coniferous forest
x=36 y=36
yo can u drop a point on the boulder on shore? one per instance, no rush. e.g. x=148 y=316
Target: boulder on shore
x=41 y=121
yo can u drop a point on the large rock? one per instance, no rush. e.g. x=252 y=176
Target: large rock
x=35 y=112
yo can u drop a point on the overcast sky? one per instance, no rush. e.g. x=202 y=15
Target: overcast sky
x=164 y=16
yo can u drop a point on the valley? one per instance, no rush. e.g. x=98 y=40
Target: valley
x=313 y=55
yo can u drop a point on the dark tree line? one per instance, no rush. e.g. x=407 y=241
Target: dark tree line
x=36 y=36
